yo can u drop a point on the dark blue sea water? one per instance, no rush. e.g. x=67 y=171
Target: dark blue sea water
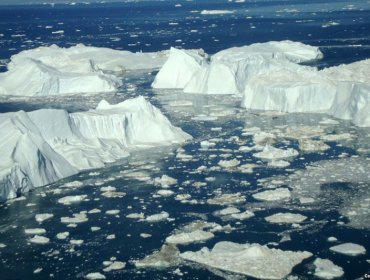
x=158 y=25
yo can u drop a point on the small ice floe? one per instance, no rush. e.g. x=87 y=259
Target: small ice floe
x=76 y=219
x=273 y=195
x=62 y=235
x=60 y=32
x=330 y=23
x=94 y=211
x=278 y=163
x=227 y=199
x=37 y=239
x=207 y=144
x=189 y=237
x=243 y=215
x=145 y=235
x=34 y=231
x=165 y=193
x=111 y=237
x=229 y=163
x=37 y=270
x=327 y=121
x=326 y=269
x=248 y=259
x=43 y=217
x=306 y=200
x=332 y=239
x=270 y=152
x=115 y=265
x=112 y=212
x=135 y=216
x=95 y=276
x=113 y=194
x=227 y=211
x=216 y=12
x=95 y=229
x=263 y=138
x=285 y=218
x=337 y=137
x=76 y=241
x=303 y=132
x=165 y=181
x=349 y=249
x=72 y=185
x=108 y=189
x=247 y=168
x=309 y=145
x=157 y=217
x=168 y=256
x=2 y=245
x=68 y=200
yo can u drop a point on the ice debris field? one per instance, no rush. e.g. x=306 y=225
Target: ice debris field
x=247 y=162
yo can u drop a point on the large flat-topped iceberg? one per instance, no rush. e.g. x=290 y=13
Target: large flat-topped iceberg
x=78 y=69
x=248 y=259
x=342 y=91
x=43 y=146
x=228 y=71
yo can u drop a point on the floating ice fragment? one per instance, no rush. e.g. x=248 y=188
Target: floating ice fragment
x=168 y=256
x=229 y=163
x=270 y=152
x=116 y=265
x=43 y=217
x=285 y=218
x=95 y=276
x=326 y=269
x=77 y=218
x=35 y=231
x=273 y=195
x=68 y=200
x=37 y=239
x=63 y=235
x=165 y=181
x=248 y=259
x=157 y=217
x=349 y=249
x=189 y=237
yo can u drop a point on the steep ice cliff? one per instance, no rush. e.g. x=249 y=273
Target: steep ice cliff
x=42 y=146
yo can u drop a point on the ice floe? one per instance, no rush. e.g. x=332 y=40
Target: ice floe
x=248 y=259
x=95 y=276
x=38 y=239
x=67 y=143
x=350 y=249
x=285 y=218
x=326 y=269
x=35 y=231
x=270 y=152
x=189 y=237
x=273 y=195
x=167 y=256
x=43 y=217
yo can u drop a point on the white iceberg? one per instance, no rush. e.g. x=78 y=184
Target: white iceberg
x=79 y=69
x=228 y=71
x=189 y=237
x=285 y=218
x=248 y=259
x=273 y=195
x=349 y=249
x=46 y=145
x=342 y=91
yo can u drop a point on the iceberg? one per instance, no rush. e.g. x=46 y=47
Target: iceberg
x=79 y=69
x=253 y=260
x=341 y=91
x=228 y=71
x=43 y=146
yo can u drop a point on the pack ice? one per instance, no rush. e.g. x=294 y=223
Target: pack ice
x=79 y=69
x=42 y=146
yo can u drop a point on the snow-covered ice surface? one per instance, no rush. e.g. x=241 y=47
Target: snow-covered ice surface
x=133 y=217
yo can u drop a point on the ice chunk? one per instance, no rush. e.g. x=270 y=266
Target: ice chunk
x=63 y=235
x=227 y=199
x=216 y=12
x=165 y=181
x=95 y=276
x=273 y=195
x=34 y=231
x=116 y=265
x=189 y=237
x=68 y=200
x=168 y=256
x=157 y=217
x=285 y=218
x=229 y=163
x=248 y=259
x=37 y=239
x=270 y=152
x=349 y=249
x=77 y=218
x=326 y=269
x=43 y=217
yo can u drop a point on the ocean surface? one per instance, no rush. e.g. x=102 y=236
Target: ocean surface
x=340 y=206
